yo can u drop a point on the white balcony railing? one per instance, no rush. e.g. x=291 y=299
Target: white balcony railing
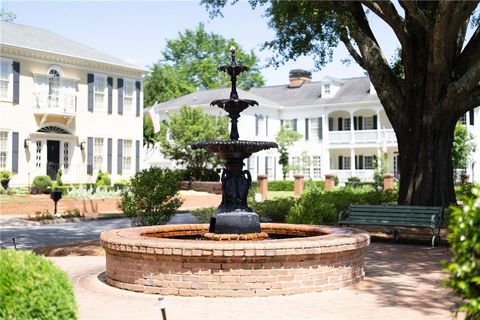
x=362 y=136
x=343 y=175
x=57 y=104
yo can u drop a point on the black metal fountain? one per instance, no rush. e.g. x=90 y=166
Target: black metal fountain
x=233 y=216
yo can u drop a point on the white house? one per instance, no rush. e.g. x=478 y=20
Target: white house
x=342 y=122
x=66 y=106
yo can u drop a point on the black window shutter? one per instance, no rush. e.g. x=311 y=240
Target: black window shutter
x=306 y=128
x=266 y=165
x=360 y=123
x=266 y=125
x=295 y=124
x=120 y=95
x=472 y=117
x=356 y=163
x=375 y=119
x=355 y=123
x=119 y=156
x=91 y=83
x=330 y=124
x=137 y=155
x=360 y=162
x=256 y=124
x=109 y=94
x=89 y=155
x=15 y=140
x=281 y=123
x=16 y=82
x=320 y=128
x=109 y=155
x=340 y=162
x=137 y=97
x=340 y=124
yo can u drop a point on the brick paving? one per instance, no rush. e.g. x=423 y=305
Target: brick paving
x=402 y=282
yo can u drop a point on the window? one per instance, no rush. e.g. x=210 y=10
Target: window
x=128 y=93
x=97 y=153
x=346 y=124
x=65 y=155
x=270 y=170
x=313 y=129
x=368 y=162
x=295 y=164
x=346 y=162
x=288 y=123
x=127 y=155
x=54 y=88
x=38 y=154
x=368 y=123
x=5 y=78
x=100 y=84
x=251 y=165
x=327 y=89
x=3 y=149
x=306 y=166
x=260 y=125
x=463 y=119
x=317 y=167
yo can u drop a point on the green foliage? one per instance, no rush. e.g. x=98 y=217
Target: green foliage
x=380 y=168
x=465 y=191
x=463 y=146
x=317 y=207
x=197 y=174
x=103 y=179
x=149 y=135
x=7 y=15
x=191 y=125
x=355 y=182
x=5 y=175
x=203 y=214
x=42 y=184
x=464 y=268
x=285 y=138
x=285 y=185
x=31 y=287
x=273 y=210
x=151 y=197
x=59 y=178
x=189 y=62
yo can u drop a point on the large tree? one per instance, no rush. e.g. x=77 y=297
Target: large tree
x=188 y=63
x=440 y=81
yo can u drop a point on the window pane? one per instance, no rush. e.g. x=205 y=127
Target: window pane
x=346 y=123
x=346 y=162
x=313 y=129
x=4 y=70
x=368 y=123
x=368 y=162
x=317 y=167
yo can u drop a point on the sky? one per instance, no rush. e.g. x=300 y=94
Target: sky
x=137 y=31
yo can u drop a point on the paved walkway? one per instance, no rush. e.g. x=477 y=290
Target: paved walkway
x=28 y=237
x=402 y=282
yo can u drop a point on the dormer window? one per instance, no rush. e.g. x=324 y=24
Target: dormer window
x=327 y=89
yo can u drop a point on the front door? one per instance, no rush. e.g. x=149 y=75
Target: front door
x=53 y=158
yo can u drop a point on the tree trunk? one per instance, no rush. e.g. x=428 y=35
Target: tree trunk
x=426 y=170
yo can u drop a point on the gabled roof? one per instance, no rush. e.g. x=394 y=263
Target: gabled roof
x=22 y=36
x=206 y=96
x=352 y=90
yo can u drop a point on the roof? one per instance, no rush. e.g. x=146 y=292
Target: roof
x=352 y=90
x=28 y=37
x=206 y=96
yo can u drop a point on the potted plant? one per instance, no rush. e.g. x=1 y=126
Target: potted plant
x=5 y=178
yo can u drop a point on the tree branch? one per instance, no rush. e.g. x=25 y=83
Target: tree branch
x=415 y=12
x=472 y=100
x=469 y=55
x=351 y=49
x=387 y=12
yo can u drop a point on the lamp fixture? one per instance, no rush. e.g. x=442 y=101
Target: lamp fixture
x=26 y=143
x=82 y=145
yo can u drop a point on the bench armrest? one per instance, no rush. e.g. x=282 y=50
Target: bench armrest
x=342 y=215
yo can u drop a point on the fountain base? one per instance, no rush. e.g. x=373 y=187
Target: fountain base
x=237 y=222
x=233 y=236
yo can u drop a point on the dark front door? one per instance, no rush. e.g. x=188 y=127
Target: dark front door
x=53 y=158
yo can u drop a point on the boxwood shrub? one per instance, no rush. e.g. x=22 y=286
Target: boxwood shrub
x=31 y=287
x=464 y=267
x=41 y=184
x=273 y=210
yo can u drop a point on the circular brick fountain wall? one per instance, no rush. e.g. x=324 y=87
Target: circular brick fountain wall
x=317 y=258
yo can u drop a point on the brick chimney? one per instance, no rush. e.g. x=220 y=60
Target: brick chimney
x=298 y=77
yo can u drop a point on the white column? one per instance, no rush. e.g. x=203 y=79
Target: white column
x=352 y=162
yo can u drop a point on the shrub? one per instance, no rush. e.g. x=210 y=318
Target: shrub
x=42 y=184
x=103 y=179
x=273 y=210
x=31 y=287
x=315 y=207
x=150 y=197
x=59 y=178
x=464 y=267
x=203 y=214
x=199 y=174
x=5 y=175
x=285 y=185
x=465 y=191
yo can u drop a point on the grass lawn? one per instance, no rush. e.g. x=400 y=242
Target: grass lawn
x=4 y=198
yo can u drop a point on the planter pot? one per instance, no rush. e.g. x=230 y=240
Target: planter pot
x=5 y=184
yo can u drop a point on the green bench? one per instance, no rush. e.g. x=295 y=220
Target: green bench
x=400 y=216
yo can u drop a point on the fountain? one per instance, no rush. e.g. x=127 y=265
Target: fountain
x=235 y=255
